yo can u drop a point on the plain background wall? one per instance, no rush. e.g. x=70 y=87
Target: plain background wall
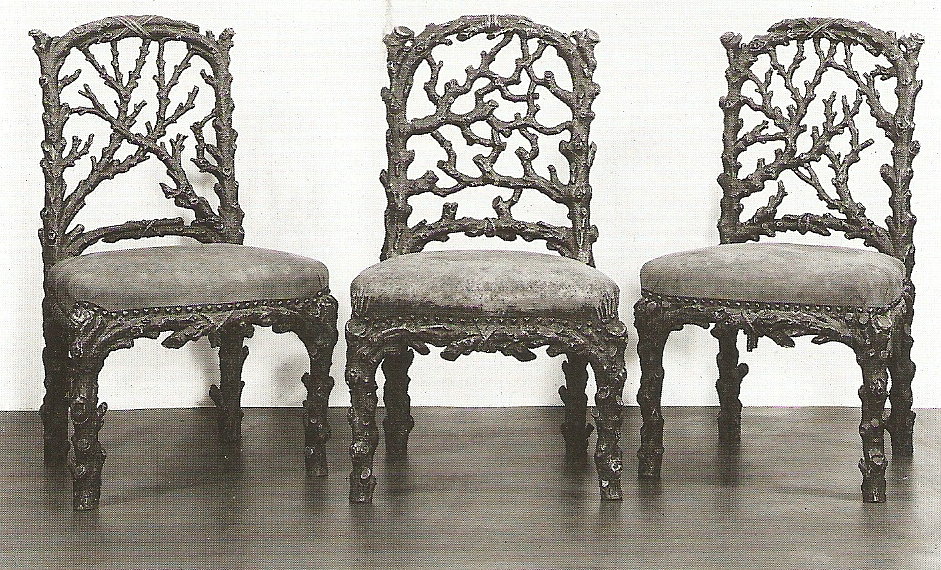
x=311 y=124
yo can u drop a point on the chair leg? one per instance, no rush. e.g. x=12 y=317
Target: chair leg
x=398 y=421
x=361 y=379
x=575 y=430
x=87 y=417
x=729 y=384
x=319 y=384
x=901 y=424
x=55 y=406
x=610 y=376
x=650 y=343
x=873 y=394
x=228 y=394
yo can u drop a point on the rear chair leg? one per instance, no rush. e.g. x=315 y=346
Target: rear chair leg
x=901 y=424
x=228 y=394
x=55 y=405
x=398 y=422
x=575 y=430
x=729 y=384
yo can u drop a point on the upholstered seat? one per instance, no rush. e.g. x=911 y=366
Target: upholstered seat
x=485 y=282
x=185 y=275
x=778 y=273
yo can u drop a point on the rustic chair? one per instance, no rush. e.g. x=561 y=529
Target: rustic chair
x=485 y=300
x=99 y=302
x=859 y=297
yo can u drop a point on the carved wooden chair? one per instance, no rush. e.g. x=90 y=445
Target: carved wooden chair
x=860 y=297
x=485 y=300
x=99 y=302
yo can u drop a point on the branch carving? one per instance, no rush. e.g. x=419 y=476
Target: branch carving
x=787 y=128
x=59 y=237
x=407 y=52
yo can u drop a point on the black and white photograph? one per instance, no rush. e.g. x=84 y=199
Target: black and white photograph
x=470 y=284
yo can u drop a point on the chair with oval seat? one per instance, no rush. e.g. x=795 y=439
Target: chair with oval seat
x=96 y=303
x=860 y=297
x=485 y=300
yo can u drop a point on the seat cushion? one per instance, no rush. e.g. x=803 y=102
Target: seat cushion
x=185 y=275
x=485 y=282
x=778 y=273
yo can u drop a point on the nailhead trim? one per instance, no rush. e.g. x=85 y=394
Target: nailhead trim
x=837 y=309
x=207 y=307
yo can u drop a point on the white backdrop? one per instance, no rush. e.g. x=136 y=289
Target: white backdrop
x=311 y=144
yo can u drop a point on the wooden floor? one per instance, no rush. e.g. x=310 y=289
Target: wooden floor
x=482 y=488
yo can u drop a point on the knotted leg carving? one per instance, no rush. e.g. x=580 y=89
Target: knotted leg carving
x=610 y=376
x=574 y=429
x=901 y=424
x=729 y=384
x=398 y=421
x=873 y=394
x=319 y=384
x=87 y=417
x=361 y=379
x=228 y=394
x=55 y=405
x=651 y=338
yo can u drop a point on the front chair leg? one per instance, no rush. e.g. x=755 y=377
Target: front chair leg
x=361 y=379
x=729 y=384
x=398 y=421
x=87 y=417
x=610 y=376
x=228 y=394
x=873 y=394
x=319 y=384
x=575 y=430
x=650 y=344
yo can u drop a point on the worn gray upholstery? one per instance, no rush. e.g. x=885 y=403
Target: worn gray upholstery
x=778 y=273
x=185 y=275
x=485 y=282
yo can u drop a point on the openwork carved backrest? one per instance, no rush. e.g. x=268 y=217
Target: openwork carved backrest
x=482 y=128
x=134 y=141
x=802 y=143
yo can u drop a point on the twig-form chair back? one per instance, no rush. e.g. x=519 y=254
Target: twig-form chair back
x=129 y=145
x=481 y=127
x=804 y=142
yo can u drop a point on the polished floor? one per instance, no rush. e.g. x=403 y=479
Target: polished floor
x=482 y=488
